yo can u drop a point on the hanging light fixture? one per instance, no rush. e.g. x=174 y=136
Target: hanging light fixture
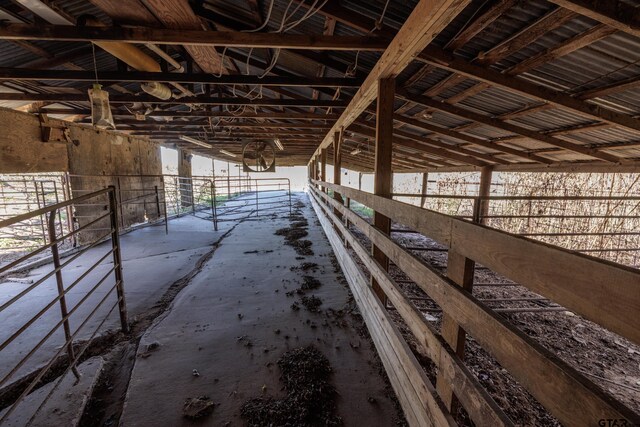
x=227 y=153
x=194 y=141
x=101 y=116
x=278 y=144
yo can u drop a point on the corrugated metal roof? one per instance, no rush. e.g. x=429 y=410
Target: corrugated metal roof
x=615 y=58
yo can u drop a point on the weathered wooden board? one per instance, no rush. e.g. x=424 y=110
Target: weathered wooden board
x=566 y=393
x=603 y=292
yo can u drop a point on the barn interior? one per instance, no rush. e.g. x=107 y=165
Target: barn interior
x=417 y=212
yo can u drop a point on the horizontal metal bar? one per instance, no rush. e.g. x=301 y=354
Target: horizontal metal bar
x=48 y=275
x=18 y=218
x=55 y=328
x=52 y=303
x=47 y=246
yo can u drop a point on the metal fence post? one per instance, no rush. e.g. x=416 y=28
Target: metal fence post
x=164 y=207
x=177 y=182
x=61 y=296
x=257 y=199
x=117 y=260
x=289 y=185
x=119 y=201
x=43 y=218
x=214 y=205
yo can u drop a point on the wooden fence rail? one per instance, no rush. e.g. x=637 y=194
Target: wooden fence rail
x=580 y=283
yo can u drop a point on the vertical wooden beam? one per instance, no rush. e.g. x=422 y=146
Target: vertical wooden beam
x=461 y=271
x=485 y=189
x=383 y=176
x=323 y=167
x=423 y=199
x=337 y=166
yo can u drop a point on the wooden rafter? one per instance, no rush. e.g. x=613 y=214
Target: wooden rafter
x=509 y=127
x=125 y=99
x=425 y=22
x=440 y=58
x=614 y=13
x=190 y=37
x=207 y=78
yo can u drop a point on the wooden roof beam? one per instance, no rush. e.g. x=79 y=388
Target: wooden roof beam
x=455 y=149
x=199 y=114
x=469 y=139
x=357 y=127
x=486 y=18
x=428 y=18
x=616 y=14
x=454 y=64
x=190 y=37
x=204 y=100
x=206 y=78
x=490 y=121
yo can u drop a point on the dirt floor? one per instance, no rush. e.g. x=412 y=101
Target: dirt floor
x=610 y=361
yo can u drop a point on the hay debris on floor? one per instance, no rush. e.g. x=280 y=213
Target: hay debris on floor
x=310 y=399
x=312 y=303
x=309 y=283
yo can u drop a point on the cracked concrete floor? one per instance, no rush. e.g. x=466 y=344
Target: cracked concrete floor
x=232 y=323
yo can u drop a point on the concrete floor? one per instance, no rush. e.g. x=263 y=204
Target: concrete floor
x=152 y=261
x=240 y=297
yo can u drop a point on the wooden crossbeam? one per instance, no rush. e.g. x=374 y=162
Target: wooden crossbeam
x=141 y=76
x=127 y=99
x=468 y=138
x=441 y=149
x=570 y=45
x=485 y=19
x=420 y=147
x=527 y=35
x=221 y=126
x=425 y=22
x=525 y=132
x=447 y=61
x=190 y=37
x=614 y=13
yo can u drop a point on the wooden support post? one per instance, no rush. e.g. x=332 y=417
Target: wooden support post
x=461 y=271
x=383 y=176
x=484 y=191
x=360 y=181
x=423 y=199
x=323 y=167
x=337 y=165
